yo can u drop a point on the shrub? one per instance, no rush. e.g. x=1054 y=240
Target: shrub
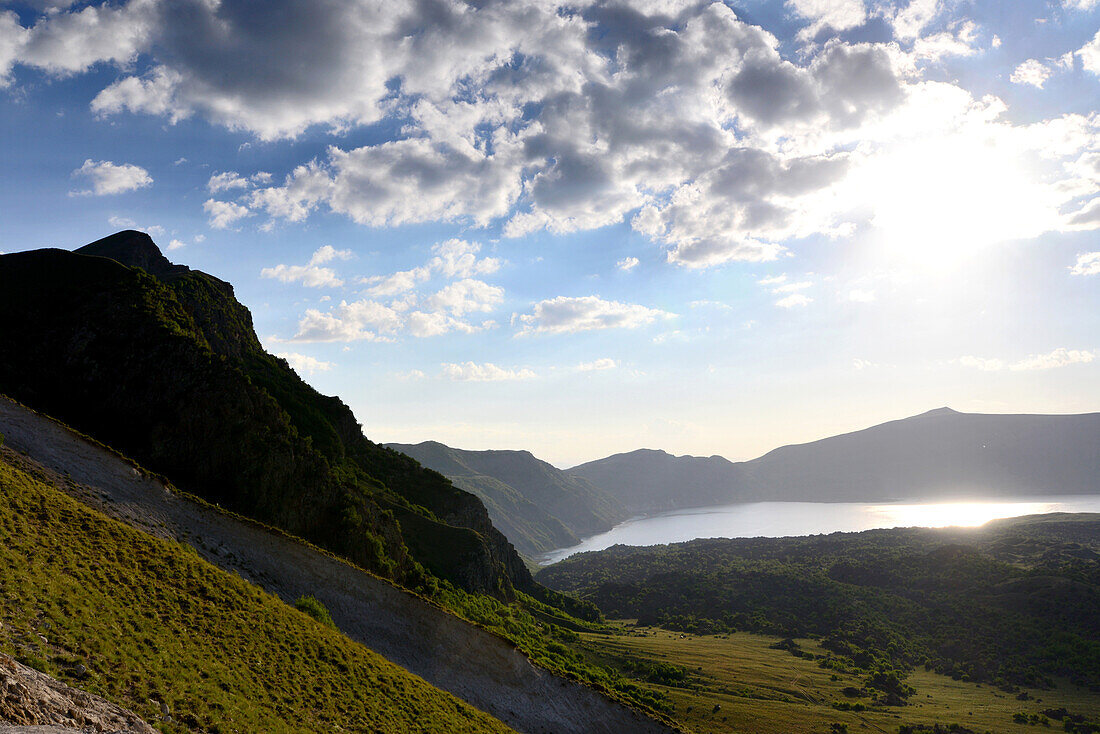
x=309 y=605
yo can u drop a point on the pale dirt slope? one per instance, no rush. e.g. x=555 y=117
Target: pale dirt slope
x=473 y=664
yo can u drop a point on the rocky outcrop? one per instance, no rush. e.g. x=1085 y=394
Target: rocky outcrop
x=33 y=702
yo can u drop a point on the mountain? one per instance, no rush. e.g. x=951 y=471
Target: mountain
x=162 y=362
x=941 y=453
x=649 y=480
x=537 y=506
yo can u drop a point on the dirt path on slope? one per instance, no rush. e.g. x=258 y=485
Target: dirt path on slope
x=475 y=665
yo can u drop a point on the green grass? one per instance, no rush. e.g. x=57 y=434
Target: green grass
x=764 y=690
x=151 y=620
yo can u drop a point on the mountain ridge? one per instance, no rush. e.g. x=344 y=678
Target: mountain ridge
x=538 y=506
x=164 y=363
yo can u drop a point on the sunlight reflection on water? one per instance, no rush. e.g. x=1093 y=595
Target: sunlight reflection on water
x=778 y=519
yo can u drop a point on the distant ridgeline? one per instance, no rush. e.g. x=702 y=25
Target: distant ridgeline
x=937 y=454
x=1016 y=602
x=161 y=362
x=538 y=506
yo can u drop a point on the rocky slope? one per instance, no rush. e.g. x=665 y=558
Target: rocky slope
x=473 y=664
x=31 y=702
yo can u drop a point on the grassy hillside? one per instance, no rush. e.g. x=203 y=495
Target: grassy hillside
x=162 y=362
x=148 y=619
x=538 y=506
x=740 y=682
x=1015 y=603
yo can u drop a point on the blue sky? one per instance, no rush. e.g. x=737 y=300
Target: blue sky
x=587 y=228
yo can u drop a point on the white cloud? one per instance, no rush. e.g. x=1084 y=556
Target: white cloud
x=224 y=213
x=566 y=315
x=458 y=258
x=176 y=244
x=1088 y=263
x=1060 y=357
x=112 y=178
x=959 y=41
x=1083 y=5
x=311 y=275
x=1090 y=55
x=1032 y=72
x=795 y=300
x=910 y=20
x=681 y=118
x=226 y=181
x=487 y=372
x=305 y=363
x=792 y=287
x=773 y=279
x=860 y=295
x=838 y=14
x=394 y=284
x=466 y=296
x=604 y=363
x=627 y=264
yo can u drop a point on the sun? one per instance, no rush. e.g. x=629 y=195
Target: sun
x=938 y=203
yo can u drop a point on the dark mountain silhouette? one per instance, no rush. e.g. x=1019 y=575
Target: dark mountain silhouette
x=938 y=454
x=538 y=506
x=162 y=362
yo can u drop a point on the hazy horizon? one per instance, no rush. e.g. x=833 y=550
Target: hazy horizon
x=584 y=229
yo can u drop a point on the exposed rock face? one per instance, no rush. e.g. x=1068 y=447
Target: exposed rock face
x=33 y=702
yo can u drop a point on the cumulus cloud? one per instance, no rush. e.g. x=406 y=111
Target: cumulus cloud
x=466 y=296
x=106 y=177
x=627 y=264
x=1088 y=263
x=1035 y=72
x=838 y=14
x=1090 y=55
x=305 y=363
x=708 y=134
x=566 y=315
x=1060 y=357
x=311 y=275
x=487 y=372
x=458 y=258
x=224 y=213
x=408 y=311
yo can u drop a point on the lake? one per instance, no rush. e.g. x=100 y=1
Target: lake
x=779 y=519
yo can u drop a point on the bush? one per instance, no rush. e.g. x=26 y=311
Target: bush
x=309 y=605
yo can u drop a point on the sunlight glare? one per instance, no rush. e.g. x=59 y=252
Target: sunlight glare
x=955 y=514
x=938 y=202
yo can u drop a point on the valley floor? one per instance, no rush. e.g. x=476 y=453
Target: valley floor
x=738 y=683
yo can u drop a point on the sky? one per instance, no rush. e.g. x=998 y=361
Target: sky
x=581 y=229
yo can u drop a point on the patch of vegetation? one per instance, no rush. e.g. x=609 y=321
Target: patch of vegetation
x=741 y=682
x=1014 y=604
x=309 y=605
x=133 y=618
